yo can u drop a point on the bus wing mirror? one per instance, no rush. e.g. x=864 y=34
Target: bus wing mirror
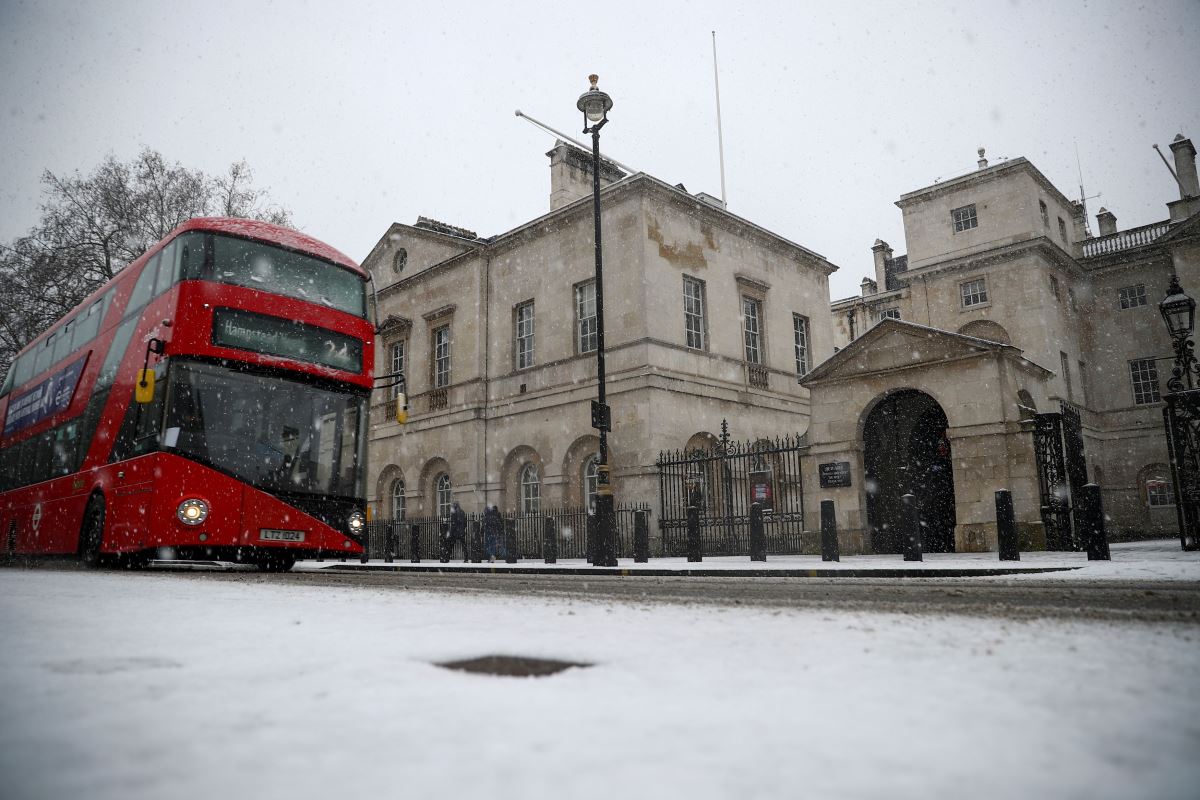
x=402 y=408
x=143 y=390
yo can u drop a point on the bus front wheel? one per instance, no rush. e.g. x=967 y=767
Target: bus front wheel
x=91 y=536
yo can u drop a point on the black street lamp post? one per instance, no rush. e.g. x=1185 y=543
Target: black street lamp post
x=595 y=105
x=1181 y=415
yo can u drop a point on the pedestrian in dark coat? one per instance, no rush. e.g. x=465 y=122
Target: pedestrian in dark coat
x=493 y=531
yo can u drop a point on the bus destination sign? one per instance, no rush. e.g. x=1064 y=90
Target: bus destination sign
x=260 y=333
x=43 y=401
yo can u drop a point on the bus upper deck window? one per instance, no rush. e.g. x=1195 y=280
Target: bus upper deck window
x=168 y=269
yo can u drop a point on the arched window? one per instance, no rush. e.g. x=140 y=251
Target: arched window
x=1157 y=487
x=442 y=495
x=398 y=500
x=531 y=490
x=591 y=480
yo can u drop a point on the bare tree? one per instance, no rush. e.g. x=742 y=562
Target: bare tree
x=93 y=226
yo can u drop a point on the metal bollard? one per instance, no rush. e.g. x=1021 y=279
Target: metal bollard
x=590 y=524
x=549 y=541
x=510 y=541
x=830 y=551
x=366 y=551
x=912 y=528
x=1095 y=538
x=414 y=544
x=476 y=542
x=1006 y=527
x=641 y=536
x=758 y=537
x=389 y=544
x=444 y=543
x=694 y=549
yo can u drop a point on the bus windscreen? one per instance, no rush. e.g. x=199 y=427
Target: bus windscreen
x=271 y=269
x=279 y=435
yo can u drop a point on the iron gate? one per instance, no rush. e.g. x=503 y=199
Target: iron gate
x=723 y=482
x=1062 y=474
x=1182 y=418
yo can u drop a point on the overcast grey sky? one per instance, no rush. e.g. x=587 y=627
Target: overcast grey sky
x=357 y=114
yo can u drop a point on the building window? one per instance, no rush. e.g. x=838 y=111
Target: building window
x=441 y=357
x=1159 y=489
x=586 y=337
x=591 y=480
x=964 y=218
x=800 y=334
x=1045 y=213
x=752 y=327
x=398 y=500
x=1062 y=229
x=397 y=367
x=531 y=490
x=1066 y=374
x=693 y=312
x=889 y=313
x=974 y=293
x=442 y=496
x=1132 y=296
x=1083 y=382
x=1144 y=377
x=1054 y=288
x=524 y=324
x=400 y=260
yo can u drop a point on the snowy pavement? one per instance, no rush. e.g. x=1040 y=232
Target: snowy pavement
x=1160 y=559
x=144 y=685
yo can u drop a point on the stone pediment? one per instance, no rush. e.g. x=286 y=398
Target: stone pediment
x=896 y=344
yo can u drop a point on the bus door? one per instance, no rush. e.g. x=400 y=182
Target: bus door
x=135 y=471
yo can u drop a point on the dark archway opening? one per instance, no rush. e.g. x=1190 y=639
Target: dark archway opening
x=907 y=451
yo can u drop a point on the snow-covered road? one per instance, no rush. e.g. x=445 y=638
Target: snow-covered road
x=120 y=685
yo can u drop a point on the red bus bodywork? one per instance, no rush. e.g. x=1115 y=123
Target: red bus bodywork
x=141 y=494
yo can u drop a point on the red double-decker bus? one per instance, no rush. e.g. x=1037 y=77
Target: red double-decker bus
x=210 y=401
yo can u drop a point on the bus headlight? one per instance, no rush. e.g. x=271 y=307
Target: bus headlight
x=356 y=522
x=192 y=512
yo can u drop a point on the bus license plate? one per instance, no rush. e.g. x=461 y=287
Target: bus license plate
x=273 y=535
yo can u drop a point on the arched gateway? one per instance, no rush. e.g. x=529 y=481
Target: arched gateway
x=906 y=450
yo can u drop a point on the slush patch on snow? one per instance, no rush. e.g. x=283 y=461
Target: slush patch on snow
x=512 y=666
x=108 y=666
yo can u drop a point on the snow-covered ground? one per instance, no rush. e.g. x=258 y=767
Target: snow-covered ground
x=125 y=685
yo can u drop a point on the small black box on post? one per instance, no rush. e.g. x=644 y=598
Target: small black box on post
x=830 y=551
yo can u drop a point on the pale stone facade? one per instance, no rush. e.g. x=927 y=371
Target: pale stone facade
x=517 y=388
x=1001 y=254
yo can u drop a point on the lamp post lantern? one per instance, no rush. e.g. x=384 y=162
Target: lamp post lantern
x=1179 y=312
x=595 y=105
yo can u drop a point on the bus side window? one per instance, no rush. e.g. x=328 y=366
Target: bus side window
x=7 y=464
x=44 y=446
x=24 y=369
x=44 y=352
x=8 y=381
x=116 y=351
x=168 y=269
x=144 y=288
x=192 y=247
x=89 y=322
x=87 y=426
x=66 y=442
x=62 y=345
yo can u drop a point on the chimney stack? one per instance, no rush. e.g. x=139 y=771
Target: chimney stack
x=882 y=252
x=982 y=162
x=1185 y=167
x=1107 y=221
x=869 y=287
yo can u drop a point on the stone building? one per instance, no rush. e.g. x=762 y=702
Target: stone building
x=1005 y=305
x=707 y=316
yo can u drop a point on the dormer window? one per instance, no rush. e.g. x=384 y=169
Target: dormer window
x=964 y=218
